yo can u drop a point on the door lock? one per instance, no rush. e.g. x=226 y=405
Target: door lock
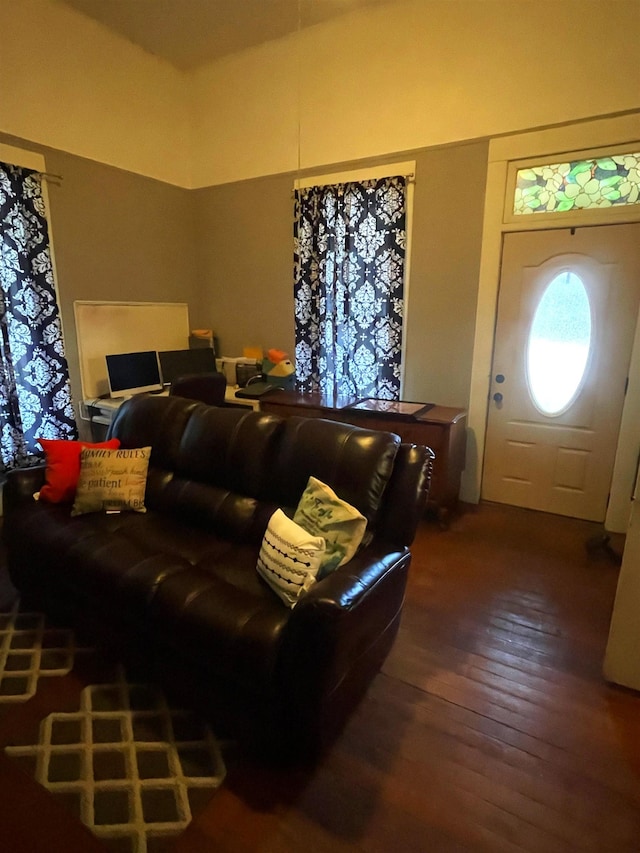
x=497 y=397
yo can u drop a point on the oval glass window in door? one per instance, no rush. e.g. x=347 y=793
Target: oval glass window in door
x=559 y=343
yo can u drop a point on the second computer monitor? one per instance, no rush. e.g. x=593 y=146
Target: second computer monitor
x=185 y=362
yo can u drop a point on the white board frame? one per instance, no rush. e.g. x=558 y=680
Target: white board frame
x=105 y=328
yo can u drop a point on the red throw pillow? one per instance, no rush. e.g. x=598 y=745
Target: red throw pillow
x=63 y=467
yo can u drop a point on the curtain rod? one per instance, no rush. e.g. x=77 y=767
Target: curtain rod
x=410 y=176
x=50 y=176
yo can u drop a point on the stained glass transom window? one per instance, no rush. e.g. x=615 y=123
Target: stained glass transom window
x=559 y=343
x=578 y=184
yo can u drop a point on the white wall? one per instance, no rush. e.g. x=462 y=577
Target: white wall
x=622 y=658
x=413 y=74
x=245 y=115
x=405 y=75
x=71 y=84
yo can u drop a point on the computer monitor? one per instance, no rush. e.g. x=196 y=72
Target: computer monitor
x=132 y=373
x=185 y=362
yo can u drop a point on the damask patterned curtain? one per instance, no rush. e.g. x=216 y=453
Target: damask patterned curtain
x=348 y=289
x=35 y=398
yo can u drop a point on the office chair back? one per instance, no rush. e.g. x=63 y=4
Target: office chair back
x=205 y=387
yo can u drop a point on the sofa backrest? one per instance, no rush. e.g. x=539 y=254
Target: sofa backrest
x=209 y=466
x=356 y=463
x=229 y=468
x=156 y=422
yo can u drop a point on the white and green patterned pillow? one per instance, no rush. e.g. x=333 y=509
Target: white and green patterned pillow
x=322 y=513
x=289 y=557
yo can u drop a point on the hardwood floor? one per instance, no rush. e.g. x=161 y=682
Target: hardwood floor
x=490 y=727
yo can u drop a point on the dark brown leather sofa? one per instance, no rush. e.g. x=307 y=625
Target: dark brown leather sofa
x=177 y=586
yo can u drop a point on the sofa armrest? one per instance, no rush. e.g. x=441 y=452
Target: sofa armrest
x=21 y=485
x=338 y=635
x=406 y=494
x=348 y=586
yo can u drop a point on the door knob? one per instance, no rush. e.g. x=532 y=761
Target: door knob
x=497 y=397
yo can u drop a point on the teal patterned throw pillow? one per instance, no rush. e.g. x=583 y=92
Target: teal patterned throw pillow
x=322 y=513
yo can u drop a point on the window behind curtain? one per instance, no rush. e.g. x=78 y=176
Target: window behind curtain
x=349 y=287
x=35 y=398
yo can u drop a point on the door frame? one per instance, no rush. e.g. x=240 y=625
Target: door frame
x=582 y=137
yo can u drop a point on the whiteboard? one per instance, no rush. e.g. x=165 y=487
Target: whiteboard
x=105 y=328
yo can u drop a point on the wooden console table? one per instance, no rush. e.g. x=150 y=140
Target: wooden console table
x=441 y=428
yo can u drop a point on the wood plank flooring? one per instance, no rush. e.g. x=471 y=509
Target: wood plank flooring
x=490 y=727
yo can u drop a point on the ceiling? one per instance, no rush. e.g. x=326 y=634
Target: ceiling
x=190 y=33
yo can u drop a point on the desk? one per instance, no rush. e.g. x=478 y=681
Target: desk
x=230 y=399
x=441 y=428
x=99 y=412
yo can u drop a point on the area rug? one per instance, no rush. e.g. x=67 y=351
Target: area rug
x=133 y=768
x=31 y=650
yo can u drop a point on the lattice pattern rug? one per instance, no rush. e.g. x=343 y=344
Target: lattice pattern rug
x=29 y=651
x=130 y=766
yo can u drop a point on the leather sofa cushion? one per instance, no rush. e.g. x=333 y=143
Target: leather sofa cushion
x=200 y=591
x=211 y=508
x=230 y=448
x=221 y=460
x=357 y=464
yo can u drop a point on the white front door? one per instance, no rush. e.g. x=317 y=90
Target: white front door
x=567 y=311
